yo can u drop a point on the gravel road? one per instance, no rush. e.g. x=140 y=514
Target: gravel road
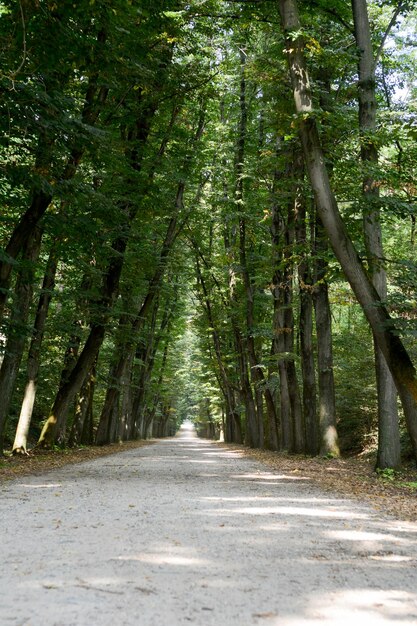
x=187 y=532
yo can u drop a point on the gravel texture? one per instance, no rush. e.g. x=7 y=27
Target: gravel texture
x=185 y=531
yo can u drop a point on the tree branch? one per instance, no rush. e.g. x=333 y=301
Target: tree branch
x=388 y=30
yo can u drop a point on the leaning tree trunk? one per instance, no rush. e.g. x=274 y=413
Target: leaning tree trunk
x=383 y=326
x=19 y=238
x=389 y=449
x=18 y=330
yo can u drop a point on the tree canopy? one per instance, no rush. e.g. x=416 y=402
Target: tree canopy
x=209 y=212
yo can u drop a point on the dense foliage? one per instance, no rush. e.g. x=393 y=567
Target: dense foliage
x=163 y=253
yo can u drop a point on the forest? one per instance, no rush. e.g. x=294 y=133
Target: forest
x=208 y=212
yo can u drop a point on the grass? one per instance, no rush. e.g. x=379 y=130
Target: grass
x=410 y=485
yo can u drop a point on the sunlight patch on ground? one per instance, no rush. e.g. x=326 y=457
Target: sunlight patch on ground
x=227 y=455
x=359 y=606
x=192 y=448
x=264 y=476
x=167 y=554
x=41 y=486
x=93 y=583
x=239 y=499
x=360 y=535
x=287 y=510
x=391 y=558
x=203 y=462
x=99 y=580
x=268 y=498
x=164 y=559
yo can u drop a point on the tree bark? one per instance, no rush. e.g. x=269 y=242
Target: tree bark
x=289 y=325
x=23 y=230
x=278 y=325
x=81 y=430
x=312 y=436
x=126 y=404
x=328 y=441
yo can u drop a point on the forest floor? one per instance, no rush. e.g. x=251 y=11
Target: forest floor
x=393 y=492
x=38 y=460
x=188 y=531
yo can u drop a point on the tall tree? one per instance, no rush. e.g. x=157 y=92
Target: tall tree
x=389 y=454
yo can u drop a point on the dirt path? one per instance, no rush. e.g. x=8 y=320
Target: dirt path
x=186 y=532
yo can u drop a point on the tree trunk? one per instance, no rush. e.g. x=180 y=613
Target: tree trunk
x=245 y=341
x=292 y=424
x=81 y=426
x=389 y=450
x=34 y=356
x=382 y=324
x=288 y=287
x=74 y=342
x=56 y=423
x=126 y=404
x=145 y=353
x=19 y=238
x=287 y=442
x=121 y=357
x=327 y=401
x=278 y=342
x=18 y=329
x=252 y=438
x=306 y=333
x=87 y=435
